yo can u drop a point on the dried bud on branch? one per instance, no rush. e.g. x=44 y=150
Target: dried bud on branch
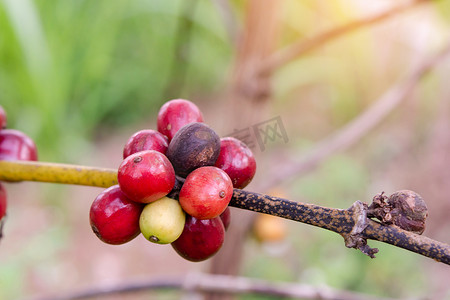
x=405 y=209
x=409 y=211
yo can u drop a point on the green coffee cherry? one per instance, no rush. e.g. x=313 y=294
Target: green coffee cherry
x=162 y=221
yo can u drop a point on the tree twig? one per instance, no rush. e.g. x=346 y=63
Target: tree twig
x=16 y=171
x=343 y=222
x=353 y=223
x=224 y=284
x=358 y=127
x=299 y=48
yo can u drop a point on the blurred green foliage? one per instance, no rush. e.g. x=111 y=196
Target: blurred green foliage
x=70 y=68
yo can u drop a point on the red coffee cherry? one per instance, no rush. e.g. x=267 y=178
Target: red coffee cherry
x=114 y=218
x=226 y=218
x=237 y=160
x=146 y=176
x=16 y=145
x=176 y=113
x=200 y=239
x=3 y=205
x=3 y=119
x=146 y=139
x=206 y=193
x=3 y=202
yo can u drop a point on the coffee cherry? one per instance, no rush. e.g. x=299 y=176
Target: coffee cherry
x=193 y=146
x=3 y=119
x=146 y=140
x=176 y=113
x=237 y=160
x=226 y=218
x=200 y=239
x=16 y=145
x=3 y=203
x=162 y=221
x=146 y=176
x=206 y=193
x=114 y=218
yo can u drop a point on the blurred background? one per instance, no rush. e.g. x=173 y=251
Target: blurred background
x=80 y=77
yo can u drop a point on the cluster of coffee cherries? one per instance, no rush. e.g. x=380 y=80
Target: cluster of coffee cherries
x=14 y=145
x=185 y=152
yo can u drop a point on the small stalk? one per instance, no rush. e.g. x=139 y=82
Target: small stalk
x=353 y=224
x=16 y=171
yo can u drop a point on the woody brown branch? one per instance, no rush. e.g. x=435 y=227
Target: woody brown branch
x=407 y=240
x=351 y=223
x=342 y=222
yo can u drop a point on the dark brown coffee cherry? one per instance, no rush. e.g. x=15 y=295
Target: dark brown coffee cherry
x=195 y=145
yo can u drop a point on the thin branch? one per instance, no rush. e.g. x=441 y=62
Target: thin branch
x=343 y=222
x=360 y=126
x=224 y=284
x=16 y=171
x=353 y=223
x=407 y=240
x=299 y=48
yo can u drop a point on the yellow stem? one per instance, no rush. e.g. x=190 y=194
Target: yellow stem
x=56 y=173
